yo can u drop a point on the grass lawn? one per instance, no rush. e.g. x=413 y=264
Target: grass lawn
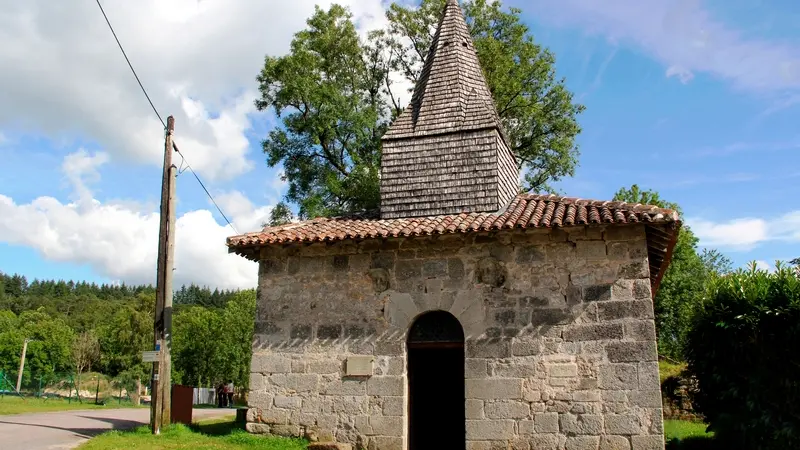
x=15 y=405
x=217 y=434
x=683 y=429
x=685 y=435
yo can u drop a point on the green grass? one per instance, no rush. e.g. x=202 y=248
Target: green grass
x=12 y=404
x=218 y=434
x=683 y=429
x=685 y=435
x=668 y=369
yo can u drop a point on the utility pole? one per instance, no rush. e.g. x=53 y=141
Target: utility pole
x=22 y=363
x=161 y=402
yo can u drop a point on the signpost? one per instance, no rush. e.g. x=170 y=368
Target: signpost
x=151 y=356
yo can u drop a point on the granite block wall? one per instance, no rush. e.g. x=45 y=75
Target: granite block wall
x=560 y=338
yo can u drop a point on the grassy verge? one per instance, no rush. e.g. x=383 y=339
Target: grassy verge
x=217 y=434
x=15 y=405
x=685 y=435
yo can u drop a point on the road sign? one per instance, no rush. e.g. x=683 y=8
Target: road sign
x=150 y=356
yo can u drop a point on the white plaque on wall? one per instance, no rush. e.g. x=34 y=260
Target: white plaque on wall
x=359 y=366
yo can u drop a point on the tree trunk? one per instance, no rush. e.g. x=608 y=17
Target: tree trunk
x=136 y=392
x=78 y=386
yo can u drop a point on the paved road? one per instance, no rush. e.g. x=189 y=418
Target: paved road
x=68 y=429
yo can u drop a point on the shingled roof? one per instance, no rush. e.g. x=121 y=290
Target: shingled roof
x=526 y=211
x=451 y=94
x=447 y=153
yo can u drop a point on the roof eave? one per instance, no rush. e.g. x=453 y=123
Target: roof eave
x=675 y=227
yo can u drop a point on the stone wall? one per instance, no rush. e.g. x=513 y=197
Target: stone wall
x=560 y=338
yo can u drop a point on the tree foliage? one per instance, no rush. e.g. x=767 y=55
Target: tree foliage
x=743 y=352
x=280 y=215
x=212 y=346
x=337 y=93
x=684 y=282
x=76 y=327
x=85 y=352
x=125 y=336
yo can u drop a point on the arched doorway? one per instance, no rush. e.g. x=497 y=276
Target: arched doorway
x=436 y=403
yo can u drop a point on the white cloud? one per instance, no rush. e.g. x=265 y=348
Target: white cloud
x=119 y=241
x=80 y=168
x=679 y=72
x=197 y=59
x=683 y=36
x=747 y=233
x=245 y=216
x=763 y=265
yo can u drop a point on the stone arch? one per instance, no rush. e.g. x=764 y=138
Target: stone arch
x=400 y=310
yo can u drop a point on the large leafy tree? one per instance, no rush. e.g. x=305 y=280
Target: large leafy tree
x=125 y=335
x=684 y=282
x=214 y=345
x=336 y=95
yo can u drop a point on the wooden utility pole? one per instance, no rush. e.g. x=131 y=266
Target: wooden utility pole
x=160 y=401
x=22 y=363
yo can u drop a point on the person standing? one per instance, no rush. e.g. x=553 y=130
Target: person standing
x=222 y=397
x=229 y=393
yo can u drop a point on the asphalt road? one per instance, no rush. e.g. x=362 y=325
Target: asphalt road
x=68 y=429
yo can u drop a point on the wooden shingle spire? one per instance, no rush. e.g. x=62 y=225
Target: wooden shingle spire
x=451 y=94
x=446 y=153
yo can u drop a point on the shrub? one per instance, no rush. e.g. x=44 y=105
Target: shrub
x=744 y=348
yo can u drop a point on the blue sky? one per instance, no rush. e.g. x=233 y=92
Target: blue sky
x=698 y=100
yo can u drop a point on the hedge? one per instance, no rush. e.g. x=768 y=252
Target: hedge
x=744 y=349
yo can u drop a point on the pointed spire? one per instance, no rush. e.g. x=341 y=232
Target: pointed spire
x=447 y=153
x=451 y=93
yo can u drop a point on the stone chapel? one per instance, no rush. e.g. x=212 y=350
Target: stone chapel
x=466 y=315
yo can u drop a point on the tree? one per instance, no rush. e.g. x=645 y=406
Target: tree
x=212 y=345
x=85 y=351
x=280 y=215
x=335 y=96
x=196 y=346
x=50 y=349
x=684 y=282
x=715 y=262
x=635 y=194
x=123 y=338
x=239 y=318
x=11 y=339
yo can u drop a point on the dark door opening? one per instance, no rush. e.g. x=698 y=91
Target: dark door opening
x=436 y=383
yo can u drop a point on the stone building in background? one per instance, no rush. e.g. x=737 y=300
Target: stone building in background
x=466 y=315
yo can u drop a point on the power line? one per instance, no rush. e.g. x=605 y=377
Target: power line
x=188 y=166
x=174 y=146
x=129 y=64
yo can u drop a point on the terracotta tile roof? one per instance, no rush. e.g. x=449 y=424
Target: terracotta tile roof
x=525 y=211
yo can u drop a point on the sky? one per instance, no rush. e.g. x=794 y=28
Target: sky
x=699 y=100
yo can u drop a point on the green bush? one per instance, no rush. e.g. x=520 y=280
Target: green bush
x=744 y=348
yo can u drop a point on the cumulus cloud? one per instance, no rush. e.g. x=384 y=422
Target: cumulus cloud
x=685 y=37
x=747 y=233
x=198 y=60
x=120 y=241
x=763 y=265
